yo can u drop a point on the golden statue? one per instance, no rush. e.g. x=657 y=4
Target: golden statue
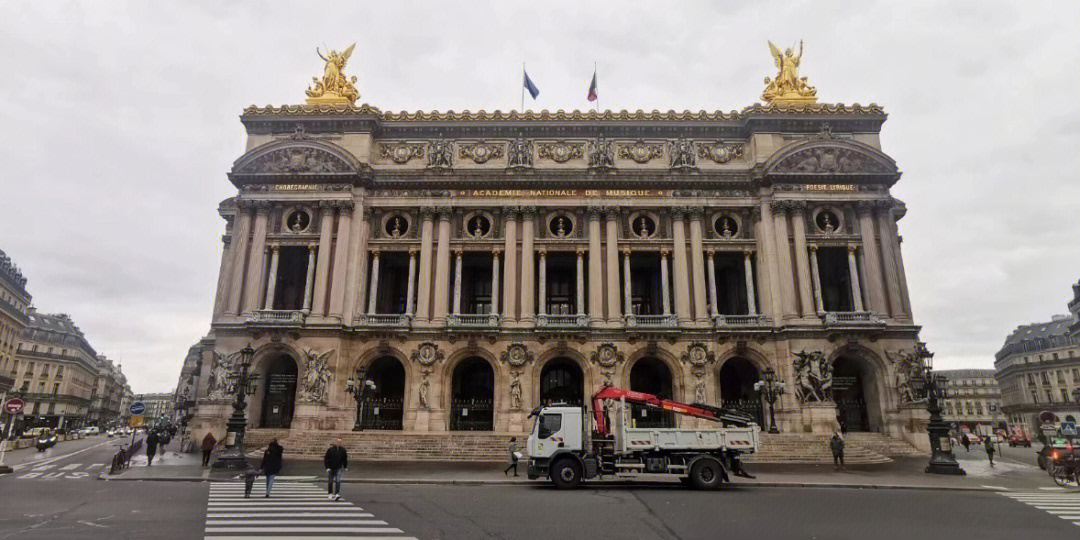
x=788 y=87
x=334 y=87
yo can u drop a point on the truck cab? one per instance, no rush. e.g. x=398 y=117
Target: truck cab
x=556 y=430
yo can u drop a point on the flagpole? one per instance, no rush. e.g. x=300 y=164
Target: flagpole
x=597 y=88
x=522 y=110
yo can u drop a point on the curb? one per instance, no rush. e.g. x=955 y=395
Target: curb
x=601 y=483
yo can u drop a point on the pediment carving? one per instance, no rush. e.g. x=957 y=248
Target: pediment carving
x=296 y=156
x=830 y=157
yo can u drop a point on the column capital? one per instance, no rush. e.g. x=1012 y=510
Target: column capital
x=593 y=212
x=695 y=212
x=710 y=252
x=852 y=248
x=412 y=251
x=748 y=252
x=366 y=213
x=311 y=246
x=865 y=208
x=797 y=207
x=755 y=212
x=458 y=251
x=779 y=207
x=262 y=207
x=496 y=251
x=327 y=205
x=244 y=204
x=445 y=213
x=612 y=211
x=346 y=205
x=528 y=212
x=626 y=251
x=580 y=251
x=427 y=213
x=374 y=252
x=542 y=251
x=665 y=252
x=813 y=247
x=510 y=210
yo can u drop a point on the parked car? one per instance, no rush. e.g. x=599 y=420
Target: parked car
x=1057 y=447
x=1019 y=439
x=91 y=430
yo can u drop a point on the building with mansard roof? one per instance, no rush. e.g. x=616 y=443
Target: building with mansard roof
x=475 y=265
x=14 y=301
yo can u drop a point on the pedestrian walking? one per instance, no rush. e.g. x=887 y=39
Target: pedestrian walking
x=988 y=443
x=271 y=463
x=151 y=447
x=513 y=457
x=208 y=444
x=250 y=474
x=965 y=441
x=336 y=460
x=836 y=444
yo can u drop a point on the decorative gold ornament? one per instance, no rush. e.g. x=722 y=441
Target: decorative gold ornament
x=640 y=151
x=788 y=87
x=334 y=87
x=401 y=152
x=720 y=152
x=480 y=152
x=561 y=151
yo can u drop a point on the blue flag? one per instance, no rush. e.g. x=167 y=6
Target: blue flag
x=533 y=90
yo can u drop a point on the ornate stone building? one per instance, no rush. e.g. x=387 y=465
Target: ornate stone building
x=972 y=394
x=475 y=265
x=14 y=301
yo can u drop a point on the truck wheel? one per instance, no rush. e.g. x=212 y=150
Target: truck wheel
x=566 y=474
x=706 y=474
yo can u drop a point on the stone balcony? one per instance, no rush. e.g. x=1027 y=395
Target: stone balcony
x=651 y=322
x=275 y=317
x=562 y=322
x=473 y=321
x=852 y=318
x=385 y=320
x=736 y=322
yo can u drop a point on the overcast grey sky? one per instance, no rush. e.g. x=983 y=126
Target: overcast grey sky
x=119 y=122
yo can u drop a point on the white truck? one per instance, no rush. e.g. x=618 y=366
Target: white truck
x=566 y=446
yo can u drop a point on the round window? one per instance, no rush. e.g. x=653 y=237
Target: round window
x=561 y=226
x=826 y=221
x=643 y=226
x=726 y=227
x=298 y=221
x=478 y=227
x=397 y=226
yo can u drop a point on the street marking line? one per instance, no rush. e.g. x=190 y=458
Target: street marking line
x=71 y=467
x=293 y=522
x=1064 y=505
x=242 y=515
x=320 y=537
x=43 y=468
x=354 y=530
x=32 y=464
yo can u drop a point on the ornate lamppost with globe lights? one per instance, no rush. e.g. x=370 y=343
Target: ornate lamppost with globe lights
x=242 y=384
x=934 y=387
x=357 y=387
x=771 y=389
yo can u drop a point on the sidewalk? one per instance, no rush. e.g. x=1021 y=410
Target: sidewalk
x=900 y=474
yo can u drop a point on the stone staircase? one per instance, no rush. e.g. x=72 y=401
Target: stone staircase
x=883 y=444
x=803 y=448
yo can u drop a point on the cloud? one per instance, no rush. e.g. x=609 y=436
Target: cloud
x=121 y=121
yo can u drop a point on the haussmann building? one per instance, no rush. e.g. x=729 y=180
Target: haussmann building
x=474 y=265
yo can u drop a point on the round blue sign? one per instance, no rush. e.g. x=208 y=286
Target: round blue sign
x=137 y=408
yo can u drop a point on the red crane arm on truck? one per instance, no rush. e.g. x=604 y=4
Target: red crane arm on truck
x=696 y=410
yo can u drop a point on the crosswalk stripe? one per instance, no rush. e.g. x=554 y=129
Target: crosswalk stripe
x=252 y=515
x=1064 y=505
x=210 y=522
x=354 y=530
x=305 y=537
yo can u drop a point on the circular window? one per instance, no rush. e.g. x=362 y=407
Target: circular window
x=726 y=227
x=826 y=221
x=478 y=226
x=298 y=221
x=643 y=226
x=561 y=226
x=397 y=226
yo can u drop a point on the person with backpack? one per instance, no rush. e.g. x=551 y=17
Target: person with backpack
x=208 y=444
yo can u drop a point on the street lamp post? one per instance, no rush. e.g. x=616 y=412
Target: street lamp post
x=934 y=388
x=357 y=387
x=243 y=384
x=771 y=390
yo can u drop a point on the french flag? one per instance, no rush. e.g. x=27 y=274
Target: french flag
x=592 y=86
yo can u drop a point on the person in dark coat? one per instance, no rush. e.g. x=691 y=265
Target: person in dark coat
x=151 y=447
x=513 y=457
x=271 y=463
x=208 y=444
x=965 y=441
x=336 y=460
x=836 y=444
x=988 y=444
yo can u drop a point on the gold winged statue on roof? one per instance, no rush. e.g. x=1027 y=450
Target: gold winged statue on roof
x=334 y=87
x=788 y=87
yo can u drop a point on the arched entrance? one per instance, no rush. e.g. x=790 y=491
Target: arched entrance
x=737 y=378
x=858 y=403
x=562 y=381
x=651 y=376
x=472 y=396
x=383 y=406
x=279 y=393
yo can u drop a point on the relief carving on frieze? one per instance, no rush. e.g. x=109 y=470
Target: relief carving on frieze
x=297 y=159
x=317 y=376
x=720 y=152
x=682 y=156
x=829 y=159
x=641 y=151
x=480 y=152
x=561 y=151
x=519 y=153
x=401 y=152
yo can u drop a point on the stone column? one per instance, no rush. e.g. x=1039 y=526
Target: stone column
x=697 y=264
x=875 y=289
x=628 y=307
x=442 y=269
x=802 y=264
x=410 y=289
x=224 y=273
x=373 y=295
x=541 y=306
x=815 y=274
x=665 y=282
x=768 y=278
x=361 y=264
x=341 y=259
x=895 y=241
x=510 y=292
x=853 y=269
x=596 y=276
x=711 y=262
x=528 y=265
x=580 y=282
x=611 y=224
x=352 y=268
x=309 y=281
x=495 y=280
x=423 y=286
x=457 y=281
x=257 y=260
x=322 y=268
x=751 y=296
x=271 y=281
x=682 y=285
x=888 y=251
x=239 y=246
x=783 y=258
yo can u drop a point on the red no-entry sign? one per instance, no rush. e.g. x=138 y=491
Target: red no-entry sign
x=14 y=406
